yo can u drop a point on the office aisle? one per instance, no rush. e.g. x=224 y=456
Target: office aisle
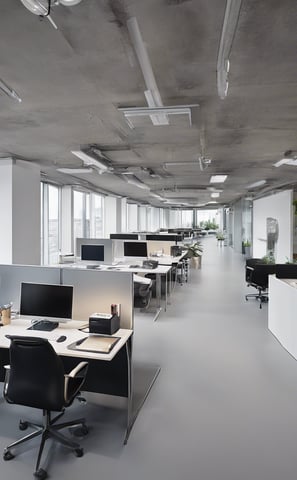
x=223 y=407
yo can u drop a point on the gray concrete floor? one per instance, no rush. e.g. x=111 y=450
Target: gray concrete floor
x=223 y=407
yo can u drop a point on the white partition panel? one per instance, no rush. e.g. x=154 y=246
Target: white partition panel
x=11 y=277
x=95 y=291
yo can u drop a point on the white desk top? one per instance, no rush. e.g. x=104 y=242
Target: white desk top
x=290 y=281
x=162 y=269
x=70 y=330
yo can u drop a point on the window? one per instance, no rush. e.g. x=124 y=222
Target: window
x=78 y=214
x=97 y=215
x=50 y=223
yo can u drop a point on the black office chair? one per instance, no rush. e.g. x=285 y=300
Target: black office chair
x=257 y=276
x=142 y=294
x=36 y=378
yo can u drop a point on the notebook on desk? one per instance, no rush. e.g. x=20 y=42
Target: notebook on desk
x=95 y=344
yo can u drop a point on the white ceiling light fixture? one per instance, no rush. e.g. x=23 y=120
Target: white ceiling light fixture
x=72 y=171
x=43 y=7
x=4 y=88
x=290 y=158
x=215 y=195
x=130 y=112
x=228 y=32
x=69 y=3
x=256 y=184
x=218 y=178
x=89 y=160
x=152 y=93
x=155 y=195
x=136 y=183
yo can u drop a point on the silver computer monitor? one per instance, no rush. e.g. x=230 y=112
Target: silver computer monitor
x=107 y=244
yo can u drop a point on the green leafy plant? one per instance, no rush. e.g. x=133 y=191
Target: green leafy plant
x=247 y=243
x=193 y=250
x=268 y=259
x=220 y=236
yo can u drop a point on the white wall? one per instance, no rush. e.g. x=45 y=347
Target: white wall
x=278 y=206
x=20 y=219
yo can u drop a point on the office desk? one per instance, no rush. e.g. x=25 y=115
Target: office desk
x=110 y=373
x=160 y=271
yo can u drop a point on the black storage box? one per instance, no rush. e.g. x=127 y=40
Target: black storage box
x=106 y=324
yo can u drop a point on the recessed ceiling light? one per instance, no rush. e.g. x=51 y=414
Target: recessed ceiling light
x=215 y=195
x=218 y=178
x=256 y=184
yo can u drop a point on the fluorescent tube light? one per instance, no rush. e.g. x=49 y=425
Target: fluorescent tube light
x=228 y=32
x=256 y=184
x=136 y=183
x=156 y=196
x=75 y=170
x=88 y=160
x=9 y=91
x=286 y=161
x=218 y=178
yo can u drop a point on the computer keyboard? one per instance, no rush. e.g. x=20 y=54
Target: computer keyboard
x=44 y=325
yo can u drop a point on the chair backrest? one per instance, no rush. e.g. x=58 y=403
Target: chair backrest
x=36 y=376
x=259 y=274
x=286 y=270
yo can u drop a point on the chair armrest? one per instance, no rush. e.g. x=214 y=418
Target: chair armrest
x=74 y=381
x=6 y=381
x=76 y=370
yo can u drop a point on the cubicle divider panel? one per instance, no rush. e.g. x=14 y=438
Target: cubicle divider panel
x=95 y=291
x=154 y=246
x=106 y=242
x=11 y=277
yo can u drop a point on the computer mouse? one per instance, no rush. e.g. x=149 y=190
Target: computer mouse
x=62 y=338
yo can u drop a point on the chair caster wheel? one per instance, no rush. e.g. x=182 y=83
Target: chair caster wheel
x=80 y=431
x=84 y=430
x=79 y=452
x=7 y=455
x=23 y=425
x=41 y=474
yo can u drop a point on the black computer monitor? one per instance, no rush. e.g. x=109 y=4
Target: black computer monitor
x=92 y=253
x=123 y=236
x=135 y=249
x=165 y=238
x=49 y=302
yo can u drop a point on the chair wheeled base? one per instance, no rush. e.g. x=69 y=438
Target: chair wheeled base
x=49 y=429
x=261 y=295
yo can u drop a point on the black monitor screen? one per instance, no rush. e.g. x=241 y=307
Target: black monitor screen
x=94 y=253
x=165 y=238
x=123 y=236
x=42 y=300
x=135 y=249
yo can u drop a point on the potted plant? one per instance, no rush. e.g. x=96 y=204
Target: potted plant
x=220 y=238
x=247 y=248
x=194 y=253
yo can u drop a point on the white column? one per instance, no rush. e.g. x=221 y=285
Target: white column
x=121 y=213
x=19 y=212
x=110 y=216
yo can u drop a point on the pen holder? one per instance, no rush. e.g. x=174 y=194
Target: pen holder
x=6 y=315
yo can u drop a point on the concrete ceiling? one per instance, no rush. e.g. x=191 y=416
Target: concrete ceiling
x=73 y=80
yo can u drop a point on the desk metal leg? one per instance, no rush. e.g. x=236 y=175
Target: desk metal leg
x=139 y=407
x=130 y=421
